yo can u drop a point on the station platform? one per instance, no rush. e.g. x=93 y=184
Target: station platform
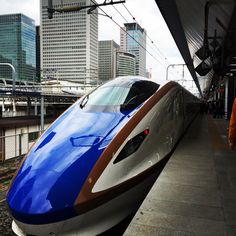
x=196 y=192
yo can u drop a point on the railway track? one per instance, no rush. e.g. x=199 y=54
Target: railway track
x=5 y=220
x=7 y=171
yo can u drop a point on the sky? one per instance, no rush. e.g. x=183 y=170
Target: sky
x=163 y=50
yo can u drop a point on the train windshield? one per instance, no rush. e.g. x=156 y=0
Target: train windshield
x=124 y=96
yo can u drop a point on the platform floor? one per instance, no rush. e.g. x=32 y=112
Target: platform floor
x=196 y=192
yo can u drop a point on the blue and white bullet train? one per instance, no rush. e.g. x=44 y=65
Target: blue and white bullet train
x=91 y=168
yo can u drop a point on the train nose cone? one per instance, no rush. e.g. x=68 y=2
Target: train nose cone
x=31 y=191
x=51 y=177
x=48 y=182
x=37 y=198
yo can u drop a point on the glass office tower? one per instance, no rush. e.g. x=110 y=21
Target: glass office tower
x=133 y=40
x=17 y=46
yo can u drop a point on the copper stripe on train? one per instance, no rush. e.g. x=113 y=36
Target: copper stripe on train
x=86 y=200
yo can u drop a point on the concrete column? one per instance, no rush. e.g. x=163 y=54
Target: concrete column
x=35 y=107
x=14 y=105
x=3 y=105
x=42 y=114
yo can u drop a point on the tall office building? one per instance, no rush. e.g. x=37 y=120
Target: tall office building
x=133 y=40
x=125 y=63
x=113 y=62
x=69 y=42
x=107 y=60
x=17 y=46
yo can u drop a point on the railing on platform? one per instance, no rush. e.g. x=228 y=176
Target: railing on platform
x=17 y=145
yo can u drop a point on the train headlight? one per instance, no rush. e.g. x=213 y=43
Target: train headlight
x=132 y=146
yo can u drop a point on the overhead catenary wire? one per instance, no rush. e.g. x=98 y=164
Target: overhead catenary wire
x=122 y=28
x=129 y=12
x=163 y=55
x=131 y=36
x=120 y=13
x=153 y=43
x=159 y=52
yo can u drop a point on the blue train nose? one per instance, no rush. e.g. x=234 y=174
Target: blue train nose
x=49 y=180
x=31 y=194
x=45 y=188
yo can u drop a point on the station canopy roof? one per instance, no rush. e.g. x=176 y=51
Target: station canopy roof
x=205 y=33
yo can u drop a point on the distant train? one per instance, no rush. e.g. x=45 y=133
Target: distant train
x=92 y=167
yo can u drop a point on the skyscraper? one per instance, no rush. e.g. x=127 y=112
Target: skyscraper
x=113 y=62
x=107 y=59
x=69 y=42
x=125 y=64
x=17 y=46
x=133 y=40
